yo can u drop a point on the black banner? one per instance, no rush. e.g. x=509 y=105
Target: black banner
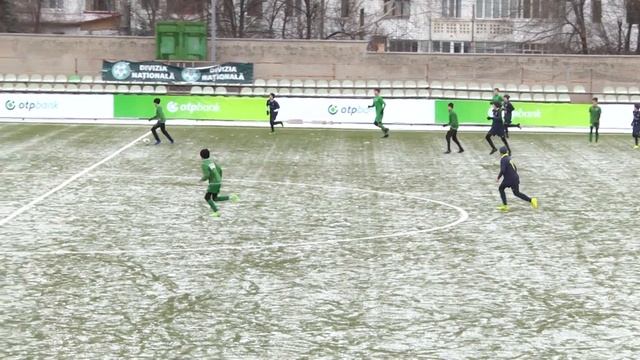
x=156 y=72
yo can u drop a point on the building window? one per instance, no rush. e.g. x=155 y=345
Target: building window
x=100 y=5
x=254 y=8
x=344 y=8
x=596 y=11
x=497 y=9
x=403 y=45
x=397 y=8
x=450 y=47
x=53 y=4
x=451 y=8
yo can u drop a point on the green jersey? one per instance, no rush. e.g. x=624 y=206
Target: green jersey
x=497 y=98
x=159 y=114
x=453 y=120
x=211 y=172
x=379 y=104
x=594 y=114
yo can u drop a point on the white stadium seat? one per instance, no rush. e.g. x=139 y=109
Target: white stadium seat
x=524 y=88
x=220 y=90
x=309 y=83
x=284 y=83
x=371 y=84
x=608 y=90
x=538 y=97
x=335 y=84
x=196 y=90
x=322 y=84
x=61 y=78
x=564 y=98
x=526 y=97
x=397 y=84
x=385 y=84
x=122 y=89
x=551 y=97
x=207 y=90
x=361 y=84
x=46 y=87
x=347 y=84
x=161 y=89
x=297 y=83
x=34 y=87
x=410 y=84
x=10 y=77
x=549 y=89
x=97 y=88
x=259 y=91
x=246 y=91
x=135 y=89
x=579 y=89
x=35 y=78
x=536 y=88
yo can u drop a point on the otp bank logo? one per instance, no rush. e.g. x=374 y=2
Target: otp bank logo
x=30 y=105
x=348 y=110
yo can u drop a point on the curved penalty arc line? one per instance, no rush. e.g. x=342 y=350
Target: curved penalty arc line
x=463 y=216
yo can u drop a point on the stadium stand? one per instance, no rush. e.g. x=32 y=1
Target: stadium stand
x=320 y=87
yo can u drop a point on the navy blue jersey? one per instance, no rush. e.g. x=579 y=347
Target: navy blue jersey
x=636 y=118
x=508 y=171
x=497 y=126
x=273 y=105
x=508 y=110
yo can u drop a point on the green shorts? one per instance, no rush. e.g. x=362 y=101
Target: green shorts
x=595 y=124
x=214 y=188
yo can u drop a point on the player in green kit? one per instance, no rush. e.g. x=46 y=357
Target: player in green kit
x=213 y=173
x=453 y=130
x=497 y=98
x=160 y=124
x=379 y=104
x=594 y=117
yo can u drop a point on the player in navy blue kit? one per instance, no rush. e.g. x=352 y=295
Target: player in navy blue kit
x=635 y=124
x=272 y=110
x=508 y=112
x=497 y=128
x=510 y=179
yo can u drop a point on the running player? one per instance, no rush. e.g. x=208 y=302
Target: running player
x=160 y=124
x=272 y=111
x=508 y=111
x=594 y=117
x=379 y=104
x=453 y=130
x=213 y=173
x=497 y=128
x=510 y=179
x=496 y=97
x=635 y=124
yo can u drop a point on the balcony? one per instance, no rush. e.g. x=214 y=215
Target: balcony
x=472 y=30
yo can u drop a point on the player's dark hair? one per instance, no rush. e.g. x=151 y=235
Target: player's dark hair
x=450 y=105
x=637 y=106
x=376 y=89
x=497 y=104
x=204 y=153
x=504 y=150
x=496 y=89
x=595 y=99
x=156 y=101
x=507 y=97
x=272 y=95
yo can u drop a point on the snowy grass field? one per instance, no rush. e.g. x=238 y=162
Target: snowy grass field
x=343 y=245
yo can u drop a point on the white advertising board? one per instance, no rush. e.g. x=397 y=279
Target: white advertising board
x=615 y=116
x=56 y=106
x=356 y=111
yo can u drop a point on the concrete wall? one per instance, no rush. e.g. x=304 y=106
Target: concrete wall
x=322 y=60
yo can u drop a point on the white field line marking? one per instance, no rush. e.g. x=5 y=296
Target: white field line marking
x=69 y=181
x=249 y=248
